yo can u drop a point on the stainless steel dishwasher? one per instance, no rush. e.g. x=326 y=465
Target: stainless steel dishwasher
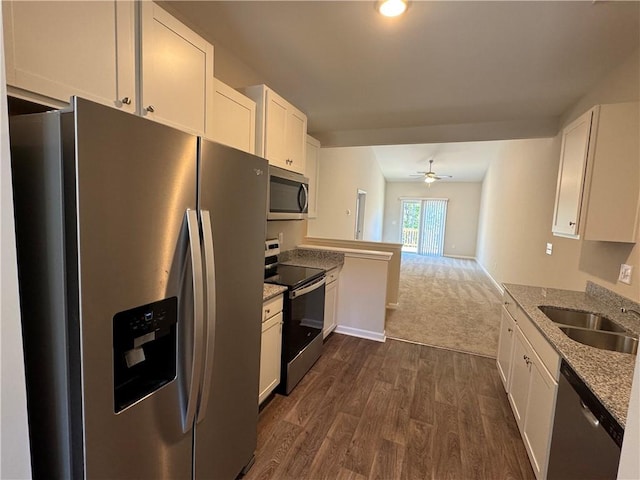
x=586 y=439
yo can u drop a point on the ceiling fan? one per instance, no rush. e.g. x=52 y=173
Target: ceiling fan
x=430 y=176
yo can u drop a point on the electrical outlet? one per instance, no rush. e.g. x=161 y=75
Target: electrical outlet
x=549 y=249
x=625 y=273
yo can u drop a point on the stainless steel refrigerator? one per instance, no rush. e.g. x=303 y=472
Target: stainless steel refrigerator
x=140 y=252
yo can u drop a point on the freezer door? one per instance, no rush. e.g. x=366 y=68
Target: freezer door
x=232 y=193
x=134 y=181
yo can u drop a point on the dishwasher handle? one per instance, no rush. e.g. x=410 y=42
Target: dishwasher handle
x=591 y=418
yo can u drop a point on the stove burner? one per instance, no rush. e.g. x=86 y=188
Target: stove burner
x=292 y=276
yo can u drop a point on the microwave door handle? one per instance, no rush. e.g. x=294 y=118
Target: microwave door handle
x=303 y=190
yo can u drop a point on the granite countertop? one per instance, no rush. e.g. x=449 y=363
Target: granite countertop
x=608 y=374
x=269 y=291
x=323 y=259
x=303 y=258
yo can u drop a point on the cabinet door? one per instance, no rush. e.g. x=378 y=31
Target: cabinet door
x=519 y=381
x=270 y=352
x=296 y=138
x=615 y=176
x=234 y=118
x=330 y=303
x=177 y=72
x=275 y=146
x=312 y=172
x=538 y=423
x=60 y=49
x=571 y=176
x=505 y=347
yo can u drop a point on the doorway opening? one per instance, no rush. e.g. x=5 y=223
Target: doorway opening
x=360 y=206
x=423 y=225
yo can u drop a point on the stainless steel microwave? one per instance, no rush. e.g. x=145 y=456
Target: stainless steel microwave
x=287 y=195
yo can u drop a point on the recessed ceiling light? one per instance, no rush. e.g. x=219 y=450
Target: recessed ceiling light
x=391 y=8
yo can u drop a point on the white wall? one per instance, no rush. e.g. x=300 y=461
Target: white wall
x=629 y=459
x=517 y=208
x=293 y=232
x=14 y=434
x=463 y=209
x=342 y=172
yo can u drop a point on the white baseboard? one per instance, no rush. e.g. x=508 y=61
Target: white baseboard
x=356 y=332
x=499 y=287
x=467 y=257
x=392 y=306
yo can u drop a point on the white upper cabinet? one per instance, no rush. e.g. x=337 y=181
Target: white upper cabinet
x=234 y=118
x=281 y=129
x=598 y=194
x=176 y=69
x=312 y=172
x=571 y=175
x=60 y=49
x=614 y=191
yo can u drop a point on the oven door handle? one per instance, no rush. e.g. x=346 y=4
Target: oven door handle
x=304 y=290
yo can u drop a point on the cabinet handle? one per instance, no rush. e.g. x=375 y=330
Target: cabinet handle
x=507 y=304
x=510 y=330
x=267 y=311
x=126 y=101
x=150 y=109
x=571 y=224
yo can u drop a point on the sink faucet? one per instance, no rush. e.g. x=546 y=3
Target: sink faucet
x=628 y=310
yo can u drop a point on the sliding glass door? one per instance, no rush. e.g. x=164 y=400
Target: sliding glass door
x=423 y=225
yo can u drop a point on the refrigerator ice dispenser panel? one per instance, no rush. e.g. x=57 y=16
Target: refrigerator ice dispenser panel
x=144 y=350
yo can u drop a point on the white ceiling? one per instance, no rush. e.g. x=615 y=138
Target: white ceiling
x=464 y=161
x=445 y=71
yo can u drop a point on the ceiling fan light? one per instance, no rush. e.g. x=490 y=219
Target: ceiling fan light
x=392 y=8
x=429 y=179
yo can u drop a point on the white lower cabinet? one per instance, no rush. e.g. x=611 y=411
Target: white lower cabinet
x=518 y=390
x=505 y=347
x=330 y=302
x=538 y=422
x=270 y=347
x=530 y=385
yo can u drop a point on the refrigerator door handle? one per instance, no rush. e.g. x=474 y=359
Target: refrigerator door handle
x=210 y=324
x=198 y=325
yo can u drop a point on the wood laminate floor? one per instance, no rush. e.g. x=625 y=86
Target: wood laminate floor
x=393 y=410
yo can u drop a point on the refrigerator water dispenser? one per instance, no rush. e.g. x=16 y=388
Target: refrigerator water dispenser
x=144 y=350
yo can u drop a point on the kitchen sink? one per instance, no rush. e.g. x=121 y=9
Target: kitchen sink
x=579 y=318
x=605 y=340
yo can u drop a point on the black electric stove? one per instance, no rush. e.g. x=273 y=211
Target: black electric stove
x=303 y=315
x=293 y=276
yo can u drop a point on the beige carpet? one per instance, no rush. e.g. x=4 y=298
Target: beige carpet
x=448 y=303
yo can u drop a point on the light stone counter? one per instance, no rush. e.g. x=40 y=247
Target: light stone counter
x=312 y=258
x=608 y=374
x=269 y=291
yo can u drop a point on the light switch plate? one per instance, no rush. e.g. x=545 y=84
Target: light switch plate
x=549 y=249
x=625 y=273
